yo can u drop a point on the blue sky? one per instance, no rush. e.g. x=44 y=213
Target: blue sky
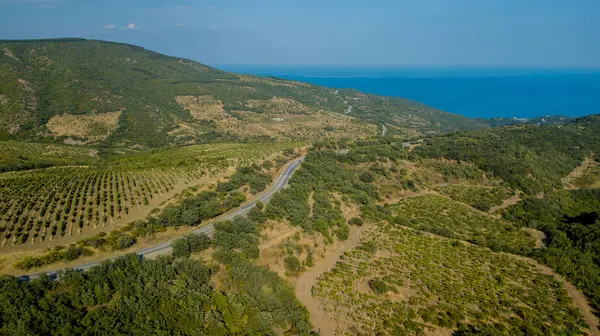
x=532 y=33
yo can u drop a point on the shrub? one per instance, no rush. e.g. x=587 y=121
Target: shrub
x=125 y=242
x=378 y=286
x=369 y=246
x=185 y=246
x=293 y=265
x=356 y=221
x=367 y=177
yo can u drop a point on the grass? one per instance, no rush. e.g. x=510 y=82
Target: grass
x=406 y=282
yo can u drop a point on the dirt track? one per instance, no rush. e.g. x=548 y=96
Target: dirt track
x=321 y=322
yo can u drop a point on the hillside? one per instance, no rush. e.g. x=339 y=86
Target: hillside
x=83 y=92
x=376 y=237
x=540 y=121
x=531 y=158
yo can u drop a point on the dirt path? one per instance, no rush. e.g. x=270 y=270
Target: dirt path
x=577 y=172
x=507 y=202
x=319 y=318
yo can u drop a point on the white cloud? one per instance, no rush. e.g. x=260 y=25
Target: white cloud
x=109 y=26
x=132 y=26
x=180 y=25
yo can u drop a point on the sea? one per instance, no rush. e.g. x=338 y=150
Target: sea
x=473 y=92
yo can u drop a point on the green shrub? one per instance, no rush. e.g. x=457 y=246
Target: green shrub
x=125 y=242
x=191 y=243
x=378 y=286
x=293 y=266
x=356 y=221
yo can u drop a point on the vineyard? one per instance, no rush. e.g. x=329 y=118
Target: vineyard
x=479 y=197
x=48 y=204
x=406 y=282
x=590 y=178
x=443 y=216
x=16 y=155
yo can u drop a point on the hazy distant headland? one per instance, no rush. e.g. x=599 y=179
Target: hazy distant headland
x=473 y=92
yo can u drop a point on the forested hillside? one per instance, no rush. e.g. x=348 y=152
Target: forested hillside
x=531 y=158
x=102 y=92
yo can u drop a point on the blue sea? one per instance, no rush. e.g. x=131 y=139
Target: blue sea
x=476 y=93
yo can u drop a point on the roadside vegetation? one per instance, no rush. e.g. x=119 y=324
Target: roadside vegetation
x=133 y=296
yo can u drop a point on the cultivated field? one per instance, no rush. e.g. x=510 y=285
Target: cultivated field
x=443 y=216
x=51 y=204
x=481 y=197
x=404 y=282
x=15 y=155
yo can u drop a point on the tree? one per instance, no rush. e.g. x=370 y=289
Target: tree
x=293 y=266
x=191 y=243
x=356 y=221
x=190 y=216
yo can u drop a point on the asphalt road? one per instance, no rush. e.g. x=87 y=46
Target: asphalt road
x=383 y=129
x=165 y=247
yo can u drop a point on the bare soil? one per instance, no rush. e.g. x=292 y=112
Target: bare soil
x=506 y=203
x=303 y=284
x=577 y=172
x=283 y=119
x=93 y=127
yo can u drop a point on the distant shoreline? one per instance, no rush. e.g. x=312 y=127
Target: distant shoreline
x=472 y=92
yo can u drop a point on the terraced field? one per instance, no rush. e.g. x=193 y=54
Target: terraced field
x=15 y=155
x=589 y=178
x=443 y=216
x=406 y=282
x=52 y=203
x=481 y=197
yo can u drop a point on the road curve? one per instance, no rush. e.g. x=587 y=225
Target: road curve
x=165 y=247
x=383 y=129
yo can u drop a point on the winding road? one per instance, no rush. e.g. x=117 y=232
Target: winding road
x=165 y=247
x=383 y=129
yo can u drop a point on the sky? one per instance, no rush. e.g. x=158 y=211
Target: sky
x=403 y=33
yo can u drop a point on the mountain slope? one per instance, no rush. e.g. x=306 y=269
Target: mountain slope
x=84 y=91
x=531 y=158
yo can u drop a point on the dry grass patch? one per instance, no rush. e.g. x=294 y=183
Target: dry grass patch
x=282 y=119
x=585 y=176
x=93 y=127
x=203 y=107
x=8 y=53
x=277 y=105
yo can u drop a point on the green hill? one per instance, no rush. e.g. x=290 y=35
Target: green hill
x=82 y=91
x=531 y=158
